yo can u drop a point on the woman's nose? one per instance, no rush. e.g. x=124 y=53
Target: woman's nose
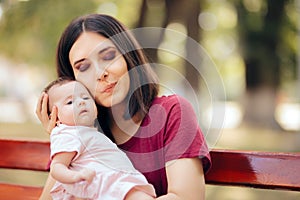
x=103 y=76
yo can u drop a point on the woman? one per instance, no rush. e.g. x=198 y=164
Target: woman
x=160 y=135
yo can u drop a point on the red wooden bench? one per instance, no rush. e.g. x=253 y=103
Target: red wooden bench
x=234 y=168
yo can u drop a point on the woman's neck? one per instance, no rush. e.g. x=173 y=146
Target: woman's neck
x=123 y=129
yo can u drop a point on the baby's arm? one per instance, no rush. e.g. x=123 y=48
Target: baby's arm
x=60 y=169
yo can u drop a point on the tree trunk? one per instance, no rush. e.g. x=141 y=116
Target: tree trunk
x=177 y=11
x=259 y=35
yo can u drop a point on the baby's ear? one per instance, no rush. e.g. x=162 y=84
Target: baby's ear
x=58 y=122
x=51 y=115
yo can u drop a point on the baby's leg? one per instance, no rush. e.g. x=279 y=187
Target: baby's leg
x=135 y=194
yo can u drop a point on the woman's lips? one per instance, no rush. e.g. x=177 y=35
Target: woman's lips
x=109 y=88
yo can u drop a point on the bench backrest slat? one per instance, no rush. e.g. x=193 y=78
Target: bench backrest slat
x=237 y=168
x=31 y=155
x=269 y=170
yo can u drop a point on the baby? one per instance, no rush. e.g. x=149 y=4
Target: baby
x=85 y=163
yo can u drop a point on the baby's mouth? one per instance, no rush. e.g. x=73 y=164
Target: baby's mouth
x=83 y=112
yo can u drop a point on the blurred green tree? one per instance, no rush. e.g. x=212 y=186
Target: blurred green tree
x=29 y=30
x=261 y=29
x=173 y=11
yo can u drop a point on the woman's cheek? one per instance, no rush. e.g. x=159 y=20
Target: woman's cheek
x=87 y=81
x=121 y=90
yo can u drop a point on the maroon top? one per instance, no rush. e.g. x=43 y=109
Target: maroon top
x=169 y=131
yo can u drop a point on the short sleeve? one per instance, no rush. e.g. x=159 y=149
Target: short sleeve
x=183 y=137
x=64 y=140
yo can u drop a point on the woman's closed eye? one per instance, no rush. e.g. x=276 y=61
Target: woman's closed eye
x=83 y=66
x=109 y=55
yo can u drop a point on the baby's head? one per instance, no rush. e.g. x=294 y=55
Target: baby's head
x=74 y=103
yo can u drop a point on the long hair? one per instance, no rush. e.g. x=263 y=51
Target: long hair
x=143 y=80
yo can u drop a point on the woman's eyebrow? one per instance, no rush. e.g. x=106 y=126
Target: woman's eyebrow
x=78 y=61
x=105 y=49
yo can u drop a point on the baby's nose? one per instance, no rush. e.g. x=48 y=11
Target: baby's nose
x=81 y=102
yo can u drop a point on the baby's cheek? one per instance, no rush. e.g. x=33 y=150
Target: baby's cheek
x=66 y=117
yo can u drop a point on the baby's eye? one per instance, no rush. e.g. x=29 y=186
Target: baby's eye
x=86 y=98
x=69 y=102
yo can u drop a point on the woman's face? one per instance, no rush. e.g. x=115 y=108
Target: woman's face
x=99 y=65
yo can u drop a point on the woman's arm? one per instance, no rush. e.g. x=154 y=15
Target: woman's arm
x=47 y=188
x=48 y=124
x=60 y=171
x=185 y=180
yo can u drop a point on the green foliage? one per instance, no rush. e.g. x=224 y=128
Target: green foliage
x=29 y=30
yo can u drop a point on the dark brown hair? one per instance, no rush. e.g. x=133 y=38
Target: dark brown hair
x=143 y=80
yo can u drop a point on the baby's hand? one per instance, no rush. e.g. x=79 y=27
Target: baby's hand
x=87 y=174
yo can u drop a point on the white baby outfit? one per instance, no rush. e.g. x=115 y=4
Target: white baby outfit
x=115 y=174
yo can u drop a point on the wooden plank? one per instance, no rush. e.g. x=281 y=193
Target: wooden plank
x=32 y=155
x=18 y=192
x=268 y=170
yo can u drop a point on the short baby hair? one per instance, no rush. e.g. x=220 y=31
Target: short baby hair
x=59 y=81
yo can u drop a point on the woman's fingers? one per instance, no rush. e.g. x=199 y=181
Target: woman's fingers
x=39 y=106
x=48 y=122
x=53 y=119
x=44 y=109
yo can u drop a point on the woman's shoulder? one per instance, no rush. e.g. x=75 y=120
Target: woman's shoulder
x=170 y=100
x=174 y=105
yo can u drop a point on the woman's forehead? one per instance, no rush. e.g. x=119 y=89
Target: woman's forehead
x=86 y=45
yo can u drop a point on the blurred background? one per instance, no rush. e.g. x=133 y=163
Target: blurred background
x=253 y=45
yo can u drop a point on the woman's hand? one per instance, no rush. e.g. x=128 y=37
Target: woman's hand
x=48 y=122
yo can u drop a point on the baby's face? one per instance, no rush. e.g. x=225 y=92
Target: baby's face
x=74 y=103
